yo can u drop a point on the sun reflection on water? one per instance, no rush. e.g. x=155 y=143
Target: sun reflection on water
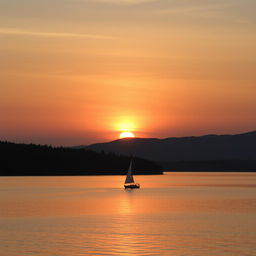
x=125 y=203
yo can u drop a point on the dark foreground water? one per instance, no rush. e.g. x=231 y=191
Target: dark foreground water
x=173 y=214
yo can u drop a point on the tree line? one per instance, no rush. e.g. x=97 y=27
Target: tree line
x=31 y=159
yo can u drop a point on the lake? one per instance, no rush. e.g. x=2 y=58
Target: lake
x=171 y=214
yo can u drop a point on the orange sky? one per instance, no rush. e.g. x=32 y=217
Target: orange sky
x=81 y=71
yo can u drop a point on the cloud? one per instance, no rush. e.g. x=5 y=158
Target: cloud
x=21 y=32
x=195 y=8
x=120 y=2
x=222 y=11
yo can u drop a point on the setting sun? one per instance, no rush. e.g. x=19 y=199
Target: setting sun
x=126 y=135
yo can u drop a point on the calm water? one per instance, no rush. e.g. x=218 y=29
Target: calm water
x=173 y=214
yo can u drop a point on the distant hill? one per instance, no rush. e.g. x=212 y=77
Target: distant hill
x=29 y=159
x=209 y=148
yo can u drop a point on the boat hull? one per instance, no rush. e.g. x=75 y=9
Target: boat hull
x=132 y=185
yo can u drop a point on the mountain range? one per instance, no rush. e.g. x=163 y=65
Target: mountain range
x=238 y=147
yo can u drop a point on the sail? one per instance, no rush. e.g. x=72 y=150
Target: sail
x=129 y=177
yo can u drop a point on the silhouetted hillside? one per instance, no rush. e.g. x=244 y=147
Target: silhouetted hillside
x=187 y=149
x=23 y=159
x=211 y=166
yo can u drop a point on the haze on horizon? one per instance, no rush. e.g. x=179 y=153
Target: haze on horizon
x=81 y=71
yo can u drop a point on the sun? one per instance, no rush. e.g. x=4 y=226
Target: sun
x=126 y=135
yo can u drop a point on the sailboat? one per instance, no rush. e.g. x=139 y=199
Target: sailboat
x=129 y=181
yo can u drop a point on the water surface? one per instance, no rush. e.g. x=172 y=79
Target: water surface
x=172 y=214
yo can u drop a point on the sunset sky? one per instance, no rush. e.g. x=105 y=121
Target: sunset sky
x=82 y=71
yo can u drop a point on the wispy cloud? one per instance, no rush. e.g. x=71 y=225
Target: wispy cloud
x=195 y=8
x=21 y=32
x=120 y=2
x=216 y=10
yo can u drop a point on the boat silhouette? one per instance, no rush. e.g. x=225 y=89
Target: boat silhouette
x=129 y=181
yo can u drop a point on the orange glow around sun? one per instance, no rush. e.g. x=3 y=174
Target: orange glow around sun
x=126 y=135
